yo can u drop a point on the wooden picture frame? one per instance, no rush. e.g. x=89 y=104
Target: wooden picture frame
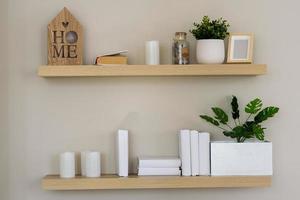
x=240 y=48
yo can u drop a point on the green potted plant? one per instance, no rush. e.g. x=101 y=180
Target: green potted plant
x=210 y=35
x=240 y=157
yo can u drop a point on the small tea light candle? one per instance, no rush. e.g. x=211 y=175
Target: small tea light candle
x=92 y=164
x=67 y=165
x=152 y=53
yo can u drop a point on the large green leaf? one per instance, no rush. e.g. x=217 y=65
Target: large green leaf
x=229 y=134
x=239 y=131
x=210 y=120
x=254 y=130
x=253 y=106
x=220 y=115
x=265 y=114
x=235 y=108
x=259 y=132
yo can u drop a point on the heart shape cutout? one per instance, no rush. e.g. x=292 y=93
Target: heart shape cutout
x=65 y=24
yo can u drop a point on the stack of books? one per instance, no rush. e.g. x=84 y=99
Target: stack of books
x=194 y=151
x=159 y=166
x=112 y=58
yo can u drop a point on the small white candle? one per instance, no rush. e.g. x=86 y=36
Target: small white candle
x=152 y=53
x=67 y=165
x=83 y=162
x=93 y=164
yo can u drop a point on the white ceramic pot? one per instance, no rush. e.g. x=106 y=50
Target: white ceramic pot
x=210 y=51
x=249 y=159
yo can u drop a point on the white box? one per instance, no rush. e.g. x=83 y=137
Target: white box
x=229 y=158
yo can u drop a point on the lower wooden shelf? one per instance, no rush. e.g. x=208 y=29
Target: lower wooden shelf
x=54 y=182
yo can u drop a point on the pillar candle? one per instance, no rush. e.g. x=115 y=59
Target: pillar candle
x=152 y=53
x=67 y=165
x=93 y=164
x=83 y=162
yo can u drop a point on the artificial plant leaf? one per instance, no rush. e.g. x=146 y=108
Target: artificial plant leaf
x=235 y=108
x=259 y=132
x=220 y=115
x=253 y=106
x=249 y=129
x=253 y=129
x=239 y=131
x=210 y=120
x=229 y=134
x=265 y=114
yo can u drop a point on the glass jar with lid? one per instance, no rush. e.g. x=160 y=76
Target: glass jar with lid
x=181 y=54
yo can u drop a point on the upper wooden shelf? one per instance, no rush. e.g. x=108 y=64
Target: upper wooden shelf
x=152 y=70
x=54 y=182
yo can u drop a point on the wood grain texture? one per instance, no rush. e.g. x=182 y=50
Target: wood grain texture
x=54 y=182
x=160 y=70
x=64 y=22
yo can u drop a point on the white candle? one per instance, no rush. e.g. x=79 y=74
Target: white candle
x=83 y=162
x=152 y=53
x=93 y=164
x=67 y=165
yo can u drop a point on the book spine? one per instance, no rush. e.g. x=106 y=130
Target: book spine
x=185 y=152
x=204 y=154
x=115 y=60
x=159 y=163
x=159 y=172
x=122 y=151
x=195 y=153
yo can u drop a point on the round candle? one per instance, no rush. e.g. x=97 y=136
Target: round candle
x=67 y=165
x=152 y=53
x=93 y=164
x=83 y=162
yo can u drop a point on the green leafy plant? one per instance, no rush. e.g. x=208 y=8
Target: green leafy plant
x=210 y=29
x=251 y=128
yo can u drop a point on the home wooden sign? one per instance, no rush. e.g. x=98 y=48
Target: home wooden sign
x=65 y=40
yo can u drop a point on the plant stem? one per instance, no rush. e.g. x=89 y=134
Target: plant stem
x=239 y=121
x=243 y=139
x=235 y=123
x=222 y=128
x=228 y=126
x=248 y=118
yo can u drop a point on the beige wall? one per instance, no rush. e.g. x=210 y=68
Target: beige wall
x=3 y=101
x=48 y=116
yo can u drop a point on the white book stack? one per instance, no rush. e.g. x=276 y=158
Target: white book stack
x=122 y=153
x=185 y=152
x=204 y=154
x=158 y=166
x=194 y=151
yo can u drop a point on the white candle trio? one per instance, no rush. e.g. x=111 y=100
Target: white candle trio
x=90 y=164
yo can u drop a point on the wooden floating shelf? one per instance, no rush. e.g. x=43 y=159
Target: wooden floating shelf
x=54 y=182
x=152 y=70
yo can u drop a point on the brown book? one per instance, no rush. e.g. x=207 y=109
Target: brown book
x=111 y=60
